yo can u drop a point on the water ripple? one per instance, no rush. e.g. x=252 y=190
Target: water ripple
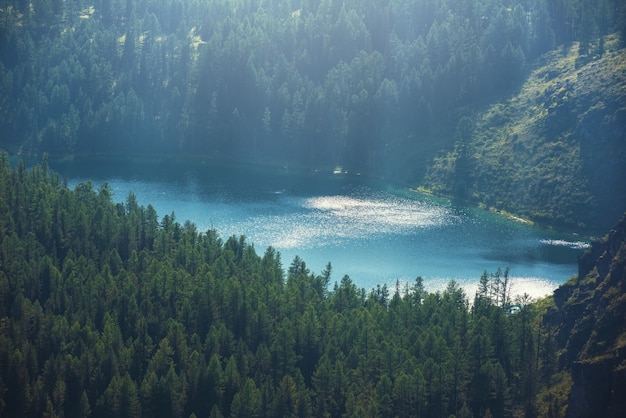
x=374 y=235
x=575 y=245
x=329 y=220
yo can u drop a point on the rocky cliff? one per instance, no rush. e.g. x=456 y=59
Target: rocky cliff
x=591 y=313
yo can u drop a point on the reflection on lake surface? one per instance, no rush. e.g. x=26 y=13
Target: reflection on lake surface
x=372 y=233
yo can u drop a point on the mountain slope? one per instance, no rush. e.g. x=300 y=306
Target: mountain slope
x=375 y=87
x=554 y=152
x=590 y=317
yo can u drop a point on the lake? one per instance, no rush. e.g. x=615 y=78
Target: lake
x=366 y=228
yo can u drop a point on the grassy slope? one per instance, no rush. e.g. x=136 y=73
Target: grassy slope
x=555 y=151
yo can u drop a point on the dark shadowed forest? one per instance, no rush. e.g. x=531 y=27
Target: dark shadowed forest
x=105 y=311
x=370 y=86
x=108 y=309
x=381 y=88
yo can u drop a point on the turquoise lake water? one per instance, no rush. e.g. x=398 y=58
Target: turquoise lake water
x=374 y=233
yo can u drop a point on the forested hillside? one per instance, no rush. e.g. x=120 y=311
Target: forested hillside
x=110 y=310
x=554 y=151
x=104 y=312
x=376 y=86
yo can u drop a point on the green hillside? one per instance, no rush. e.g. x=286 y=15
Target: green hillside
x=107 y=312
x=377 y=88
x=554 y=151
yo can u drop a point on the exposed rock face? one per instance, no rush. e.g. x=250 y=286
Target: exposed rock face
x=592 y=317
x=602 y=254
x=598 y=390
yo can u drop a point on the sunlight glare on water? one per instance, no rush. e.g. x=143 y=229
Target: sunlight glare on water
x=372 y=234
x=322 y=221
x=576 y=245
x=535 y=287
x=379 y=215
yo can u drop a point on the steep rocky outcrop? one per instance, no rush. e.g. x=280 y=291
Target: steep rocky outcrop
x=591 y=311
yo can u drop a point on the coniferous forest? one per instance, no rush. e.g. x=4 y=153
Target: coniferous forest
x=395 y=88
x=110 y=309
x=308 y=82
x=105 y=311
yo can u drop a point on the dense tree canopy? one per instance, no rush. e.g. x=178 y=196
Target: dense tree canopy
x=367 y=85
x=107 y=310
x=110 y=310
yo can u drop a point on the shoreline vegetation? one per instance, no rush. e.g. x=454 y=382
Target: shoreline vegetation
x=585 y=232
x=519 y=104
x=480 y=205
x=336 y=170
x=107 y=312
x=168 y=314
x=108 y=309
